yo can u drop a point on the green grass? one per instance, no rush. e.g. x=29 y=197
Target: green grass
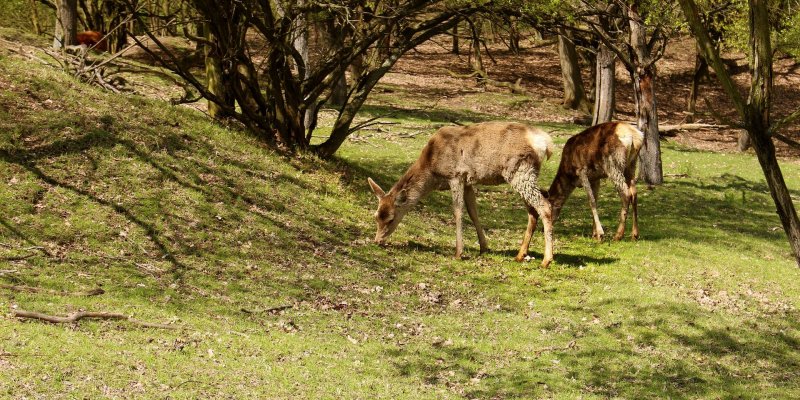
x=181 y=221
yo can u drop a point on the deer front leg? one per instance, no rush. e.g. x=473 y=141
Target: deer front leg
x=526 y=240
x=624 y=194
x=472 y=211
x=591 y=191
x=524 y=182
x=457 y=189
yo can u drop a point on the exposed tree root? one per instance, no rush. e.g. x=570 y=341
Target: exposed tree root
x=77 y=316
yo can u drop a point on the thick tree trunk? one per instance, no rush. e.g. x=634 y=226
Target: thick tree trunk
x=644 y=76
x=215 y=78
x=66 y=30
x=647 y=122
x=700 y=71
x=605 y=83
x=574 y=94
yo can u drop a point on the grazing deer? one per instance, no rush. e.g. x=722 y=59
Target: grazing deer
x=605 y=150
x=92 y=39
x=459 y=157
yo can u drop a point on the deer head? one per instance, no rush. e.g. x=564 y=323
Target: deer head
x=392 y=207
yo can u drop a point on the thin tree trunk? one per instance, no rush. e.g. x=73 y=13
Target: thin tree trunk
x=475 y=58
x=700 y=71
x=574 y=94
x=759 y=121
x=605 y=83
x=455 y=49
x=756 y=111
x=66 y=30
x=37 y=28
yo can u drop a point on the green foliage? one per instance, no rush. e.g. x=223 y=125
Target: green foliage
x=17 y=14
x=183 y=221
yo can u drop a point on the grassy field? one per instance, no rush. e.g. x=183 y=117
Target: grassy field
x=184 y=222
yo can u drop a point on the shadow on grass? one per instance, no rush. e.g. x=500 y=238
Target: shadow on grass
x=670 y=350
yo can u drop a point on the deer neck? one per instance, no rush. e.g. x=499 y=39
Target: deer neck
x=558 y=193
x=417 y=183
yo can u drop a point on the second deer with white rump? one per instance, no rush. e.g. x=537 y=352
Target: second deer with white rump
x=606 y=150
x=459 y=157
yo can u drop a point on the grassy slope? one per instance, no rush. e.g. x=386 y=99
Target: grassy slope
x=182 y=221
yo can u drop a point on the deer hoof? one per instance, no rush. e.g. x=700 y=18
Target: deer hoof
x=635 y=236
x=618 y=236
x=546 y=263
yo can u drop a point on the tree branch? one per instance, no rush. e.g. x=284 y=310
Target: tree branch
x=77 y=316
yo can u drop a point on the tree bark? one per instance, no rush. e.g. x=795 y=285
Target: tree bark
x=215 y=77
x=756 y=111
x=66 y=29
x=605 y=83
x=644 y=75
x=37 y=28
x=700 y=71
x=455 y=49
x=574 y=94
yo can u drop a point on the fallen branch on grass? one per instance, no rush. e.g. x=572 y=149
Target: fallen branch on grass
x=77 y=316
x=268 y=310
x=31 y=289
x=672 y=130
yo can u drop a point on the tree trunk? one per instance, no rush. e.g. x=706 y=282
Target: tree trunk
x=574 y=94
x=475 y=57
x=37 y=28
x=66 y=30
x=514 y=36
x=455 y=49
x=339 y=92
x=644 y=75
x=759 y=121
x=647 y=122
x=604 y=85
x=700 y=71
x=215 y=77
x=756 y=111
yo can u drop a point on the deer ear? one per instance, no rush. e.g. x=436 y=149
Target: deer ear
x=401 y=197
x=379 y=193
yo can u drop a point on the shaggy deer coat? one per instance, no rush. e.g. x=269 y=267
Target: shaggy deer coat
x=459 y=157
x=607 y=150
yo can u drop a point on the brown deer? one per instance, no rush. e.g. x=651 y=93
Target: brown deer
x=607 y=150
x=459 y=157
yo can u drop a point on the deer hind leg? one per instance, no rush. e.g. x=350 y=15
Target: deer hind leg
x=533 y=217
x=616 y=176
x=523 y=180
x=472 y=211
x=457 y=190
x=591 y=191
x=634 y=202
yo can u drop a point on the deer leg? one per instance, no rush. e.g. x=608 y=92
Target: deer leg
x=523 y=180
x=591 y=191
x=625 y=196
x=472 y=211
x=457 y=190
x=526 y=240
x=634 y=204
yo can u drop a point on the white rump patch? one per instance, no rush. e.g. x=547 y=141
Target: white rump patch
x=541 y=143
x=630 y=137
